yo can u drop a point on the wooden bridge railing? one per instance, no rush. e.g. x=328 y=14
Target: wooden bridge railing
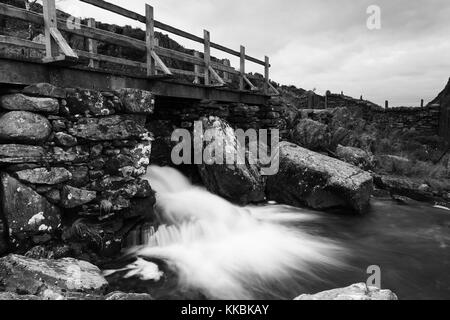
x=58 y=50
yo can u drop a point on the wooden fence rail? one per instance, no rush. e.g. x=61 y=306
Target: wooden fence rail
x=57 y=49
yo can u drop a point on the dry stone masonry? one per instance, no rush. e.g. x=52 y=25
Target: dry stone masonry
x=71 y=167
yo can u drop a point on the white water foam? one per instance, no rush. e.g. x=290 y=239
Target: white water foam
x=222 y=250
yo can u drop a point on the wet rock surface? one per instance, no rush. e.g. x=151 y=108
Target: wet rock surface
x=27 y=276
x=239 y=182
x=318 y=181
x=359 y=291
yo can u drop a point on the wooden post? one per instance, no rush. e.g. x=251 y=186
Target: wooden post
x=92 y=45
x=242 y=69
x=226 y=76
x=196 y=68
x=51 y=47
x=266 y=75
x=386 y=104
x=421 y=103
x=207 y=55
x=150 y=40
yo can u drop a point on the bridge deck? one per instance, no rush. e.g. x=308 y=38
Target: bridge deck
x=22 y=73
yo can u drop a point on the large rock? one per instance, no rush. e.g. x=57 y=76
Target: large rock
x=311 y=134
x=240 y=183
x=63 y=139
x=28 y=214
x=108 y=128
x=21 y=102
x=73 y=197
x=44 y=176
x=137 y=101
x=355 y=156
x=45 y=90
x=359 y=291
x=24 y=127
x=411 y=188
x=27 y=276
x=91 y=102
x=117 y=295
x=17 y=153
x=309 y=178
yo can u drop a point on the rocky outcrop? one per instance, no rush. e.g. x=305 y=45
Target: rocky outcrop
x=24 y=127
x=359 y=291
x=355 y=156
x=318 y=181
x=26 y=276
x=30 y=217
x=239 y=182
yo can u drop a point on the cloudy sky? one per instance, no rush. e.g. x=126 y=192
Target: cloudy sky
x=321 y=44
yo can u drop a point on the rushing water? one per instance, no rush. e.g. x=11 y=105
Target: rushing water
x=207 y=247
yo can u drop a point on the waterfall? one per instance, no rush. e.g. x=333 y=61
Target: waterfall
x=222 y=250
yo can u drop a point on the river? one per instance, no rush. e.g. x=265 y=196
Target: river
x=206 y=247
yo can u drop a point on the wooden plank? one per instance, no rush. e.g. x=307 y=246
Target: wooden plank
x=50 y=22
x=104 y=36
x=20 y=14
x=179 y=56
x=207 y=55
x=216 y=76
x=242 y=68
x=116 y=9
x=197 y=68
x=277 y=93
x=121 y=61
x=186 y=72
x=21 y=42
x=92 y=45
x=160 y=63
x=266 y=75
x=250 y=84
x=150 y=39
x=62 y=44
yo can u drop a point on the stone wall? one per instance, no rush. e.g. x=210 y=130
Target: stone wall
x=71 y=166
x=425 y=121
x=172 y=113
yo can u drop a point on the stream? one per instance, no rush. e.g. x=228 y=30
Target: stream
x=207 y=248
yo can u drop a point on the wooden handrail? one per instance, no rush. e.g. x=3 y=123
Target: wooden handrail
x=54 y=38
x=135 y=16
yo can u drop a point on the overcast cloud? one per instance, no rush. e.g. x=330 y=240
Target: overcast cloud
x=322 y=44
